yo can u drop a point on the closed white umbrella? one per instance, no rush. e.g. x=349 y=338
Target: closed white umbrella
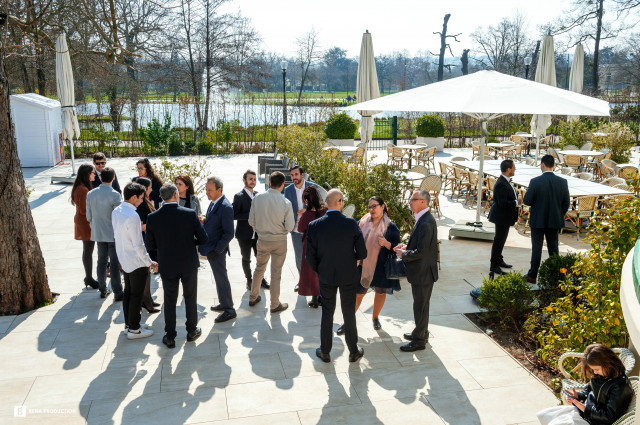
x=545 y=74
x=66 y=94
x=367 y=87
x=576 y=77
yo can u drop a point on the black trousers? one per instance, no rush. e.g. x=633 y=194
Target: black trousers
x=246 y=246
x=502 y=231
x=537 y=237
x=189 y=292
x=134 y=284
x=348 y=305
x=421 y=299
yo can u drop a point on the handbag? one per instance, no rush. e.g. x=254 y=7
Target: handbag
x=394 y=268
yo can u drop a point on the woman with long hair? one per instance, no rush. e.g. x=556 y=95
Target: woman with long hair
x=82 y=229
x=308 y=284
x=604 y=400
x=187 y=193
x=145 y=169
x=143 y=210
x=381 y=235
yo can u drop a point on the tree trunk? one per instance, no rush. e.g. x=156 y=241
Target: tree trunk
x=27 y=80
x=534 y=62
x=23 y=278
x=465 y=61
x=596 y=49
x=114 y=110
x=443 y=46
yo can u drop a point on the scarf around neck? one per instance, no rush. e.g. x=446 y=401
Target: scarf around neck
x=371 y=235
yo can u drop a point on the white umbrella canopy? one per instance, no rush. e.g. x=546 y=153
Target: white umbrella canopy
x=367 y=86
x=576 y=77
x=545 y=74
x=486 y=95
x=66 y=93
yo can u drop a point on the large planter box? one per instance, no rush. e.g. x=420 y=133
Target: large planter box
x=342 y=142
x=438 y=142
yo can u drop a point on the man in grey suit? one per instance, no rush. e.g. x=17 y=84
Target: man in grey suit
x=420 y=257
x=101 y=202
x=293 y=193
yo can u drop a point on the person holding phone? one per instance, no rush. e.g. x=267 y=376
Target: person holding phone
x=605 y=398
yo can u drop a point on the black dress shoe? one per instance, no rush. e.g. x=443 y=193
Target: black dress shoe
x=265 y=284
x=340 y=330
x=376 y=324
x=314 y=302
x=192 y=336
x=505 y=265
x=224 y=316
x=118 y=297
x=408 y=336
x=170 y=343
x=155 y=304
x=475 y=293
x=322 y=356
x=105 y=293
x=91 y=283
x=497 y=270
x=296 y=288
x=412 y=346
x=354 y=357
x=217 y=308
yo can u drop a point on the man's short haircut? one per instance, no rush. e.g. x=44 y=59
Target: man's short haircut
x=133 y=189
x=168 y=191
x=216 y=181
x=505 y=165
x=246 y=173
x=276 y=179
x=98 y=155
x=297 y=167
x=548 y=161
x=424 y=194
x=107 y=175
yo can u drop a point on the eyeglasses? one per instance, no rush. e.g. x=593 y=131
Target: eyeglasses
x=101 y=163
x=373 y=207
x=415 y=199
x=340 y=200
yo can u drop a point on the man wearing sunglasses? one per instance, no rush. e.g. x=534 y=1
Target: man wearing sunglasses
x=99 y=162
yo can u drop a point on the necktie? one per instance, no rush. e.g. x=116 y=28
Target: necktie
x=211 y=204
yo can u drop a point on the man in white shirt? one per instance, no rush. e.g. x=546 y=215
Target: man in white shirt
x=134 y=259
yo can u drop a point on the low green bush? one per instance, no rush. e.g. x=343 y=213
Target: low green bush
x=157 y=137
x=507 y=297
x=176 y=147
x=619 y=139
x=197 y=169
x=571 y=133
x=204 y=147
x=554 y=271
x=430 y=126
x=340 y=126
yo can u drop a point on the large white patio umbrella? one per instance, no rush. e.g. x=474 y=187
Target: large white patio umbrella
x=576 y=77
x=66 y=94
x=545 y=74
x=486 y=95
x=367 y=87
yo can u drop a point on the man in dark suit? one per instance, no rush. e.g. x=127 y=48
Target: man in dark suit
x=219 y=227
x=247 y=238
x=334 y=247
x=174 y=231
x=548 y=196
x=420 y=257
x=99 y=163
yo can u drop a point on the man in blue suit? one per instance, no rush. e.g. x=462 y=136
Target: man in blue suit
x=293 y=193
x=219 y=227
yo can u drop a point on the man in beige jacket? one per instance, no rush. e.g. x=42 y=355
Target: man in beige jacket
x=271 y=217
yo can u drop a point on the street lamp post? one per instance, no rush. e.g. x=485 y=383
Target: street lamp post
x=527 y=64
x=284 y=92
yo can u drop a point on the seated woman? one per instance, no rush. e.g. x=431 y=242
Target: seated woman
x=187 y=194
x=145 y=169
x=308 y=284
x=603 y=401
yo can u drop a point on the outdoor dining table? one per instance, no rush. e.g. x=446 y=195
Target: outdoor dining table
x=500 y=146
x=346 y=150
x=410 y=175
x=526 y=136
x=580 y=152
x=411 y=149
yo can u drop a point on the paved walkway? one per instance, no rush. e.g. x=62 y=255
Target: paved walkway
x=68 y=363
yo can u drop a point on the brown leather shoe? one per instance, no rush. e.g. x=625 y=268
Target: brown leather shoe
x=256 y=301
x=529 y=278
x=281 y=307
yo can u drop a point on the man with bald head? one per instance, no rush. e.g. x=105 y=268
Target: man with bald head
x=334 y=247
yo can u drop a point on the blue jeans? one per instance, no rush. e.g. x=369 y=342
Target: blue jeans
x=108 y=250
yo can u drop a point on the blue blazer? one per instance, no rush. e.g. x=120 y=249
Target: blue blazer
x=290 y=194
x=219 y=228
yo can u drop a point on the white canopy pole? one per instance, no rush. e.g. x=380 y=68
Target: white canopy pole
x=483 y=139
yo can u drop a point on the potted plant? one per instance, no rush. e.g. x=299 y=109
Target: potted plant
x=430 y=131
x=340 y=129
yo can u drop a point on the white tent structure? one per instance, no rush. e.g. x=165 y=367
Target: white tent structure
x=486 y=95
x=66 y=94
x=576 y=77
x=545 y=74
x=367 y=86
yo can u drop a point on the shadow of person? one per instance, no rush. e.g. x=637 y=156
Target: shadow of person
x=46 y=197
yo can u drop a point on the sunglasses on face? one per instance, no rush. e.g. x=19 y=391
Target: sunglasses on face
x=101 y=163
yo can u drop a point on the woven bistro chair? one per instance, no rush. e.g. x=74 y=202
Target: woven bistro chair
x=399 y=157
x=612 y=181
x=390 y=147
x=585 y=176
x=447 y=176
x=357 y=156
x=608 y=202
x=606 y=170
x=530 y=161
x=491 y=182
x=514 y=153
x=587 y=146
x=570 y=148
x=476 y=188
x=431 y=157
x=628 y=173
x=420 y=169
x=574 y=161
x=361 y=145
x=621 y=186
x=421 y=156
x=523 y=210
x=583 y=208
x=462 y=182
x=554 y=154
x=458 y=158
x=566 y=170
x=433 y=184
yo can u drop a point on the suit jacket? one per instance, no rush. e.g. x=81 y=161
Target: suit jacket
x=97 y=182
x=241 y=208
x=421 y=255
x=504 y=210
x=290 y=194
x=334 y=245
x=219 y=228
x=175 y=231
x=100 y=203
x=548 y=196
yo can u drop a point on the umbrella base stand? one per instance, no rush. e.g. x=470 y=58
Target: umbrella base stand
x=59 y=179
x=473 y=230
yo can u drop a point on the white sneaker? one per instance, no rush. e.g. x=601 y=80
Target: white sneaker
x=140 y=333
x=142 y=326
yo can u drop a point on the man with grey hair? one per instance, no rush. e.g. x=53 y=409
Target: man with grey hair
x=420 y=257
x=175 y=231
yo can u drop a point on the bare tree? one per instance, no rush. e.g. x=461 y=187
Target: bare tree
x=465 y=61
x=307 y=54
x=444 y=45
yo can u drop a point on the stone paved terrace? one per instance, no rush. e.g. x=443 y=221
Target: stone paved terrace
x=69 y=363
